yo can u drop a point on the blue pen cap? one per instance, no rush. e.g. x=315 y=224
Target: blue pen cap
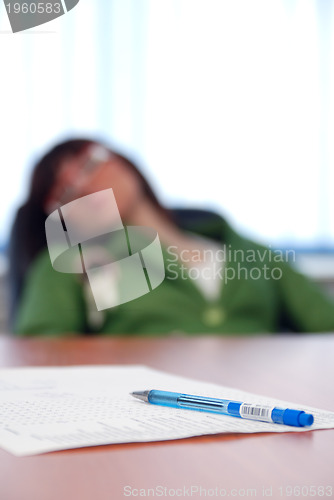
x=306 y=419
x=297 y=418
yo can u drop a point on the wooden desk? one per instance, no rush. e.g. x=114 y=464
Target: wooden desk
x=295 y=368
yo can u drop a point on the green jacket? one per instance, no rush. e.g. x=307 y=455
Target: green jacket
x=261 y=293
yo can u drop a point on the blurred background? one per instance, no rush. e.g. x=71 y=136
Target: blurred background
x=227 y=105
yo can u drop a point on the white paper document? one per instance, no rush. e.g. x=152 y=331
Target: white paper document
x=48 y=409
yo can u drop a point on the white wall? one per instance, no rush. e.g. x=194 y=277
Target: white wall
x=227 y=104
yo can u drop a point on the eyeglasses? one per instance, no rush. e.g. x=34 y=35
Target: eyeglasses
x=98 y=155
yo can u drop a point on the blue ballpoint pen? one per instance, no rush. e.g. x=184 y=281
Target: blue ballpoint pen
x=252 y=411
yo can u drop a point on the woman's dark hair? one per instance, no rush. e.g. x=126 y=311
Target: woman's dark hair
x=28 y=232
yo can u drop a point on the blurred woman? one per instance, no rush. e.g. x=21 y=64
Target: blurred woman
x=216 y=281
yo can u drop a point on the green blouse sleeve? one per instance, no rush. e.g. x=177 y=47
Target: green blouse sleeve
x=304 y=305
x=52 y=303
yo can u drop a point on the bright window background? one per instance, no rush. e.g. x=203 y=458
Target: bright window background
x=227 y=104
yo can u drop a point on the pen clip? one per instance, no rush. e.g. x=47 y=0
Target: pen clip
x=203 y=403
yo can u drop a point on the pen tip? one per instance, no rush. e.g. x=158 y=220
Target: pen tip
x=142 y=395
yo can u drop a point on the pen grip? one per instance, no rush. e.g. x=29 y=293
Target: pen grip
x=163 y=398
